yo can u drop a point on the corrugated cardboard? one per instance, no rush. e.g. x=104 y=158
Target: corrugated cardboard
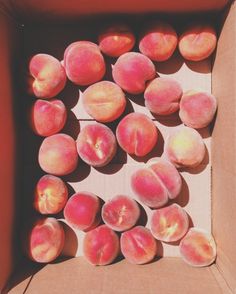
x=208 y=198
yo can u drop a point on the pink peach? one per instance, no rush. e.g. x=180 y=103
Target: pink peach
x=197 y=109
x=48 y=117
x=131 y=72
x=156 y=183
x=158 y=41
x=48 y=77
x=50 y=195
x=84 y=63
x=101 y=246
x=169 y=224
x=58 y=155
x=45 y=240
x=136 y=134
x=116 y=40
x=120 y=213
x=82 y=211
x=197 y=42
x=96 y=144
x=104 y=101
x=162 y=96
x=198 y=248
x=185 y=147
x=138 y=245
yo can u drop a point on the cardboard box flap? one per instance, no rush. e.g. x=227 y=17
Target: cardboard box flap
x=77 y=276
x=27 y=9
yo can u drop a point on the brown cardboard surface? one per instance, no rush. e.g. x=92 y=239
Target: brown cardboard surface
x=165 y=276
x=223 y=150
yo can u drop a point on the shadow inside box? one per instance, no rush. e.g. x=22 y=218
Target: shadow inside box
x=183 y=198
x=170 y=66
x=143 y=218
x=70 y=95
x=202 y=66
x=79 y=174
x=72 y=126
x=171 y=120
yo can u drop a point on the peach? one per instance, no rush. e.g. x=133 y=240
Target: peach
x=116 y=40
x=48 y=77
x=48 y=117
x=101 y=246
x=185 y=147
x=82 y=211
x=162 y=96
x=50 y=195
x=58 y=155
x=197 y=42
x=120 y=213
x=45 y=240
x=136 y=134
x=156 y=183
x=96 y=144
x=198 y=248
x=169 y=224
x=138 y=245
x=197 y=109
x=84 y=63
x=104 y=101
x=131 y=72
x=158 y=41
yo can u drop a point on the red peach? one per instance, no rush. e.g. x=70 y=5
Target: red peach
x=197 y=109
x=197 y=42
x=58 y=155
x=101 y=246
x=82 y=211
x=50 y=195
x=96 y=144
x=131 y=72
x=138 y=245
x=104 y=101
x=156 y=183
x=120 y=213
x=159 y=41
x=185 y=147
x=84 y=63
x=198 y=248
x=45 y=240
x=116 y=40
x=162 y=96
x=169 y=224
x=136 y=134
x=48 y=76
x=48 y=117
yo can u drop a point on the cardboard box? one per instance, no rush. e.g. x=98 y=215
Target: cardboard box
x=208 y=195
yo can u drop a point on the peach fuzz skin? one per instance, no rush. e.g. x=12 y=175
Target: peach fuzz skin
x=48 y=117
x=51 y=194
x=104 y=101
x=48 y=77
x=96 y=144
x=101 y=246
x=136 y=134
x=169 y=224
x=198 y=248
x=82 y=211
x=120 y=213
x=156 y=183
x=197 y=42
x=138 y=245
x=185 y=147
x=131 y=72
x=162 y=96
x=84 y=63
x=158 y=41
x=45 y=240
x=197 y=109
x=116 y=40
x=58 y=155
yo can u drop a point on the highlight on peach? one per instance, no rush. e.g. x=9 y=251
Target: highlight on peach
x=156 y=183
x=198 y=248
